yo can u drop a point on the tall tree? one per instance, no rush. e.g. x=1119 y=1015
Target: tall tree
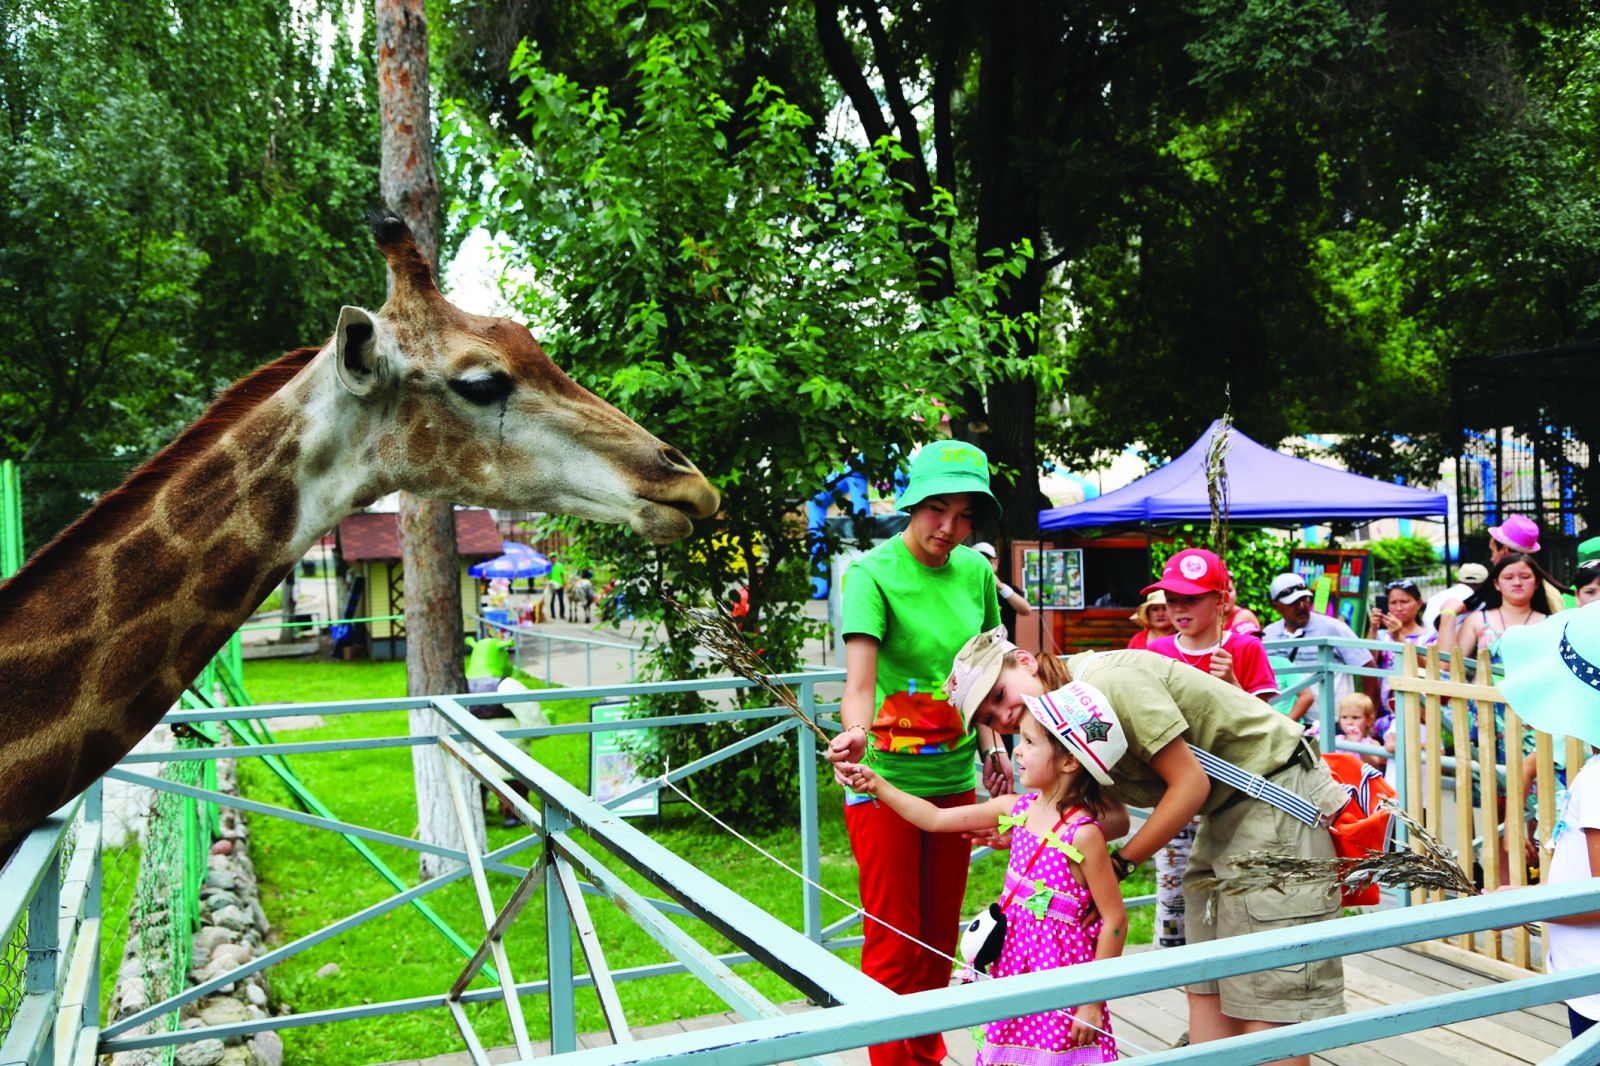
x=932 y=52
x=434 y=657
x=181 y=196
x=706 y=269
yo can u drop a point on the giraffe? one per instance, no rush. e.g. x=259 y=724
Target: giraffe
x=104 y=627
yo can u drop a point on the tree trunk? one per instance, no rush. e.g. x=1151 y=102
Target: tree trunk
x=1012 y=99
x=288 y=632
x=427 y=527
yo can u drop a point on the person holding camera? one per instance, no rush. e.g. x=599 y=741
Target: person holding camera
x=1396 y=618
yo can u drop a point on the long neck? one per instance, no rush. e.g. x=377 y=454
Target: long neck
x=103 y=629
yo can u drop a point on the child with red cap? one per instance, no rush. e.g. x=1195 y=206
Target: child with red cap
x=1196 y=582
x=1197 y=586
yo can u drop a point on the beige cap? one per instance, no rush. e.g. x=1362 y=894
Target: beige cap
x=976 y=668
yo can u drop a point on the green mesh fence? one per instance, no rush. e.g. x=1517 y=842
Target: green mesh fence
x=14 y=958
x=13 y=982
x=163 y=910
x=11 y=545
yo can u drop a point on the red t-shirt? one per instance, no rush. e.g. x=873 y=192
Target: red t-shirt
x=1140 y=640
x=1249 y=661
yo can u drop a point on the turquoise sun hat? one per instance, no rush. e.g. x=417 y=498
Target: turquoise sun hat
x=950 y=466
x=1553 y=673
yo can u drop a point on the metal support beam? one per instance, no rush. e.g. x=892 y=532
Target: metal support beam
x=328 y=932
x=728 y=986
x=558 y=943
x=508 y=914
x=223 y=799
x=810 y=839
x=851 y=1025
x=497 y=946
x=604 y=986
x=688 y=770
x=790 y=954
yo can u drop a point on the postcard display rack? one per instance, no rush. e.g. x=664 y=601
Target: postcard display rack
x=1052 y=579
x=1338 y=579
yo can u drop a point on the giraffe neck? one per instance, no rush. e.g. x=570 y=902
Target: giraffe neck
x=103 y=629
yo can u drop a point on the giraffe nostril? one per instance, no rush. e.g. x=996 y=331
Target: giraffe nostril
x=676 y=460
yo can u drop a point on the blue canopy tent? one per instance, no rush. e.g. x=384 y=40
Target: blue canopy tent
x=1265 y=487
x=519 y=560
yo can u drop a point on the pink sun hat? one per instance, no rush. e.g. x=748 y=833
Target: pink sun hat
x=1517 y=533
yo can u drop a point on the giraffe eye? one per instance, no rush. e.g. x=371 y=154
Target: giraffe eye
x=490 y=389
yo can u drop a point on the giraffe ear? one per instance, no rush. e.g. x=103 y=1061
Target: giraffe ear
x=355 y=356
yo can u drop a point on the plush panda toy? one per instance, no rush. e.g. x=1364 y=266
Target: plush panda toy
x=983 y=937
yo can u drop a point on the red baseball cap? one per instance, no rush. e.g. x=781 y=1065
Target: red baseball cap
x=1192 y=572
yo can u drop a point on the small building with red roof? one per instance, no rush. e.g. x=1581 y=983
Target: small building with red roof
x=367 y=551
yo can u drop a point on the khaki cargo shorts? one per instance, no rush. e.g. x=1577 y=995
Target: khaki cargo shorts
x=1293 y=993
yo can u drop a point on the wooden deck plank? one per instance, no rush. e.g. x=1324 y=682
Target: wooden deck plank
x=1525 y=1022
x=1449 y=1045
x=1457 y=977
x=1489 y=1033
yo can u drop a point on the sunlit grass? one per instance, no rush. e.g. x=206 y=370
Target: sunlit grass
x=311 y=878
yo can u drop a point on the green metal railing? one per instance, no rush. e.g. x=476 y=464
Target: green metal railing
x=568 y=869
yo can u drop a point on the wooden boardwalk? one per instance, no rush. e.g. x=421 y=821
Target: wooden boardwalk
x=1154 y=1022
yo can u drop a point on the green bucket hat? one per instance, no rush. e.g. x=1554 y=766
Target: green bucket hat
x=1553 y=673
x=949 y=466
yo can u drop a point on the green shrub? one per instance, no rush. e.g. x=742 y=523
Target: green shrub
x=1397 y=557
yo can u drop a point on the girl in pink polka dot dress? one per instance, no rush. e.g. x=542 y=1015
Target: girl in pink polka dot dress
x=1042 y=938
x=1059 y=864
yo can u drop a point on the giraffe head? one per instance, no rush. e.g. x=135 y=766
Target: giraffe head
x=468 y=408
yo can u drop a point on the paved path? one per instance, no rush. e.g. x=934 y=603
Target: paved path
x=1155 y=1021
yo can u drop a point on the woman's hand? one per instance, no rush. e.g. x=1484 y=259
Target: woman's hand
x=1375 y=621
x=1393 y=625
x=998 y=776
x=1090 y=1014
x=848 y=747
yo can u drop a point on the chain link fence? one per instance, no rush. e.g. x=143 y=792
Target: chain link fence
x=152 y=893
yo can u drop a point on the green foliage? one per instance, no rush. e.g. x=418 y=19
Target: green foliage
x=1254 y=558
x=1322 y=206
x=181 y=189
x=699 y=264
x=1397 y=557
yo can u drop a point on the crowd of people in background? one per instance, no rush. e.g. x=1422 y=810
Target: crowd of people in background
x=936 y=690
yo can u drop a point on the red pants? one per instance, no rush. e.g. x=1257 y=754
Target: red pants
x=914 y=882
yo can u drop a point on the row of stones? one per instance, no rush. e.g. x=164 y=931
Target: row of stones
x=233 y=930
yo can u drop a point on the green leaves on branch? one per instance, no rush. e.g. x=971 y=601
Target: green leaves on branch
x=744 y=295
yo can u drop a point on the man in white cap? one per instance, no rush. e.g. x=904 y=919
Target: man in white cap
x=1168 y=710
x=1009 y=597
x=1471 y=575
x=1291 y=599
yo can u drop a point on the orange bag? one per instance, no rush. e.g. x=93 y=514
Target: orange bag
x=1361 y=828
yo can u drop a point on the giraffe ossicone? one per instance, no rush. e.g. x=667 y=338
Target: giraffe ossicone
x=105 y=626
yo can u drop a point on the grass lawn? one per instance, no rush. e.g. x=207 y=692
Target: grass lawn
x=310 y=878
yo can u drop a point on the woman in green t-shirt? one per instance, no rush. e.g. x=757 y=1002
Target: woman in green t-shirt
x=909 y=604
